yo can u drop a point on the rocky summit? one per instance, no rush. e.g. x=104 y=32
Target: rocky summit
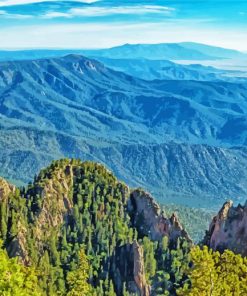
x=73 y=203
x=228 y=229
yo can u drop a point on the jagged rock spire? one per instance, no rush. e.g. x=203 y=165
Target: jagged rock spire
x=150 y=221
x=228 y=229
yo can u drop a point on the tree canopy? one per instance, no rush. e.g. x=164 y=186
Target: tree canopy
x=215 y=274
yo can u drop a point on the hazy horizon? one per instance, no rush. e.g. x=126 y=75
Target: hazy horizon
x=118 y=45
x=80 y=24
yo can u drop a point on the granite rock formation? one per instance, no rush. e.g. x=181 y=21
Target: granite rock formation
x=228 y=229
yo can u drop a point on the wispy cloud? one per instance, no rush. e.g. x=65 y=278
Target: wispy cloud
x=24 y=2
x=105 y=11
x=103 y=23
x=91 y=11
x=7 y=15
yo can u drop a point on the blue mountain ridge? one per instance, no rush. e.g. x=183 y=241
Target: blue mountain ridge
x=164 y=51
x=168 y=51
x=156 y=134
x=167 y=70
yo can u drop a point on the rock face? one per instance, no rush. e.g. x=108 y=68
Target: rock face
x=56 y=203
x=5 y=189
x=228 y=229
x=128 y=268
x=150 y=221
x=18 y=246
x=139 y=273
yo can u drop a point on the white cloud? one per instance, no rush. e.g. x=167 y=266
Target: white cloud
x=24 y=2
x=103 y=11
x=138 y=9
x=56 y=14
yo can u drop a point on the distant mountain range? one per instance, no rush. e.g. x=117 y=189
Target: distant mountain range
x=168 y=51
x=148 y=69
x=213 y=51
x=77 y=107
x=167 y=70
x=154 y=61
x=165 y=51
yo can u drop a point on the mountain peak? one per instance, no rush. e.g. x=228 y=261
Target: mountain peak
x=73 y=203
x=142 y=207
x=228 y=229
x=75 y=57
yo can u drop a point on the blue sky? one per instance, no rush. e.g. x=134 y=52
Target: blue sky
x=106 y=23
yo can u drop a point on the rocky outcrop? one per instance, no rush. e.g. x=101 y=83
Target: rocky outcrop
x=228 y=229
x=5 y=189
x=45 y=212
x=18 y=245
x=150 y=221
x=56 y=201
x=128 y=267
x=139 y=272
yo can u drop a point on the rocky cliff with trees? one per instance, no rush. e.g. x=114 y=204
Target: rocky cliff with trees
x=78 y=230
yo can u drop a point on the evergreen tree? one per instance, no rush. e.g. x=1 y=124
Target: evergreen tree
x=215 y=274
x=78 y=278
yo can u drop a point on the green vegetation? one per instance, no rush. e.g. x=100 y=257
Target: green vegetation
x=70 y=225
x=215 y=274
x=15 y=278
x=78 y=278
x=71 y=205
x=171 y=266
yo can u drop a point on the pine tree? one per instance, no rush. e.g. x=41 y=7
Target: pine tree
x=78 y=278
x=215 y=274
